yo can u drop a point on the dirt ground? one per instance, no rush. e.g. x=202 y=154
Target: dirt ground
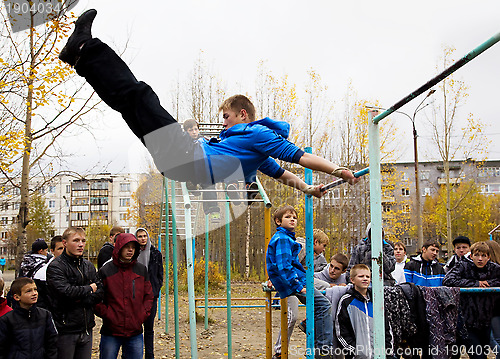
x=248 y=333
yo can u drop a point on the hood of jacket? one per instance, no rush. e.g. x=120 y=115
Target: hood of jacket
x=120 y=241
x=145 y=252
x=282 y=128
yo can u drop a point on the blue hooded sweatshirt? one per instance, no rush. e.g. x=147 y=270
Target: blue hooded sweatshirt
x=249 y=145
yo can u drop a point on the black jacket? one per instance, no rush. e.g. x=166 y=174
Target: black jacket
x=476 y=308
x=28 y=334
x=155 y=270
x=105 y=254
x=73 y=301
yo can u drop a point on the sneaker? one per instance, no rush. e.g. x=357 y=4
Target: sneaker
x=233 y=193
x=82 y=33
x=252 y=191
x=215 y=217
x=302 y=326
x=277 y=356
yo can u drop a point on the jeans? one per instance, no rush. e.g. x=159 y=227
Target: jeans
x=74 y=346
x=131 y=347
x=323 y=320
x=149 y=333
x=495 y=335
x=293 y=312
x=477 y=343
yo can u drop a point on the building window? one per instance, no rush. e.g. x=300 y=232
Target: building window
x=16 y=191
x=491 y=188
x=124 y=202
x=99 y=185
x=386 y=207
x=407 y=241
x=52 y=189
x=4 y=220
x=4 y=235
x=68 y=188
x=4 y=206
x=52 y=204
x=125 y=187
x=16 y=205
x=53 y=219
x=406 y=208
x=67 y=218
x=425 y=175
x=123 y=217
x=405 y=192
x=405 y=177
x=427 y=191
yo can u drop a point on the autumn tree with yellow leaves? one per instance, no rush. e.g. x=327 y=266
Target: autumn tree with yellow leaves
x=41 y=100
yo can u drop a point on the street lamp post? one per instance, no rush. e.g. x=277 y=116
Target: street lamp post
x=420 y=230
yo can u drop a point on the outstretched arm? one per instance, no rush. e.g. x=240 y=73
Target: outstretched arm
x=292 y=180
x=317 y=163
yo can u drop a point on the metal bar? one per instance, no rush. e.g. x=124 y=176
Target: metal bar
x=190 y=271
x=284 y=328
x=159 y=244
x=228 y=283
x=263 y=194
x=221 y=298
x=167 y=256
x=376 y=238
x=206 y=271
x=480 y=290
x=338 y=182
x=175 y=272
x=310 y=265
x=464 y=60
x=269 y=317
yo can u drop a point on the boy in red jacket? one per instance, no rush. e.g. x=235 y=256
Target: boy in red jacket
x=128 y=298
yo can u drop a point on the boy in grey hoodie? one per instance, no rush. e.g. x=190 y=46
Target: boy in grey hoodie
x=153 y=260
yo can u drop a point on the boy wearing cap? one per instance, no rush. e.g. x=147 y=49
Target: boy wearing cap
x=461 y=246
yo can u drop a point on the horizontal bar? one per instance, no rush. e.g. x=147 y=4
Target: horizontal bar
x=202 y=299
x=338 y=182
x=464 y=60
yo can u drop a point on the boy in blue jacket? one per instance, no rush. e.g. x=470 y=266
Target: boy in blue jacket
x=288 y=276
x=245 y=145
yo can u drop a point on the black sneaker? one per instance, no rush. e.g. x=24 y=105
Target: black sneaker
x=277 y=356
x=252 y=191
x=82 y=33
x=233 y=193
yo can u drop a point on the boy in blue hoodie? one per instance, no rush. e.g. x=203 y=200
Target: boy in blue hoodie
x=288 y=276
x=245 y=145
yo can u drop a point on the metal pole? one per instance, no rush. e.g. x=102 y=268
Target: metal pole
x=376 y=238
x=310 y=265
x=228 y=282
x=269 y=317
x=190 y=271
x=464 y=60
x=167 y=256
x=174 y=270
x=159 y=245
x=418 y=205
x=206 y=271
x=284 y=328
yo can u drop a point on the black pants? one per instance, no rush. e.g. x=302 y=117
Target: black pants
x=149 y=333
x=172 y=149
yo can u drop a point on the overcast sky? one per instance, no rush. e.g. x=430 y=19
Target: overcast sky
x=385 y=48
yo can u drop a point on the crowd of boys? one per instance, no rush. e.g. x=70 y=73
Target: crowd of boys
x=54 y=300
x=351 y=309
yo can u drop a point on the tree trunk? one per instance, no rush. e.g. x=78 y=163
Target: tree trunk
x=449 y=238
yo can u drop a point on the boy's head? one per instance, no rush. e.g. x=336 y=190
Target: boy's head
x=127 y=246
x=430 y=250
x=285 y=217
x=142 y=236
x=237 y=109
x=320 y=241
x=494 y=251
x=114 y=232
x=39 y=247
x=24 y=291
x=461 y=245
x=56 y=246
x=338 y=265
x=480 y=254
x=192 y=128
x=360 y=277
x=399 y=251
x=74 y=241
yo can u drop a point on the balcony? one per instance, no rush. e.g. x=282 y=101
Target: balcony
x=453 y=180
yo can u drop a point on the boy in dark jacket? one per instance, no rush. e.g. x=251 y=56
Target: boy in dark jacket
x=476 y=270
x=74 y=289
x=106 y=252
x=128 y=298
x=27 y=332
x=354 y=320
x=424 y=269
